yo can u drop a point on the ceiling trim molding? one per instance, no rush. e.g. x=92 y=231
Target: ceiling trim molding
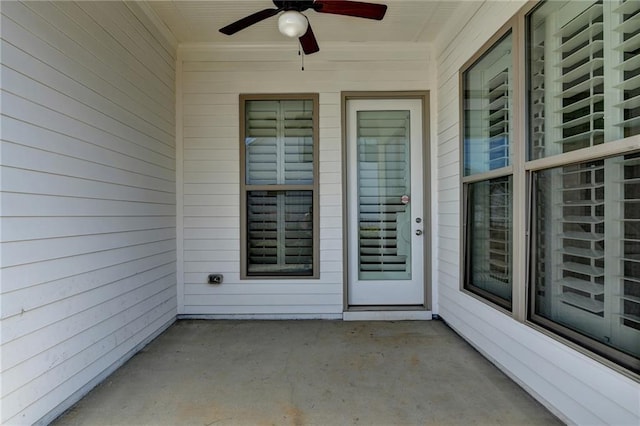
x=156 y=21
x=327 y=46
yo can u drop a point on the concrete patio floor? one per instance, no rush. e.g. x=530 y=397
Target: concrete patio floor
x=308 y=372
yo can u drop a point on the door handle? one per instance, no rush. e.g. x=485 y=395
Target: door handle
x=419 y=232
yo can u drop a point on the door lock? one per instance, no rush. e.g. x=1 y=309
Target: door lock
x=418 y=220
x=419 y=232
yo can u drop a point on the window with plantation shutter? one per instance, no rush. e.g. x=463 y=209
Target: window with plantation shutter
x=487 y=181
x=279 y=186
x=590 y=246
x=551 y=183
x=584 y=94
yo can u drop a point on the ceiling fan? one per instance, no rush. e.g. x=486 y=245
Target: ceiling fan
x=293 y=23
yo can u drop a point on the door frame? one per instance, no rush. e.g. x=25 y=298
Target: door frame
x=426 y=196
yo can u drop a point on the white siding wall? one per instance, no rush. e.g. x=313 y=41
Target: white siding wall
x=577 y=388
x=88 y=198
x=212 y=78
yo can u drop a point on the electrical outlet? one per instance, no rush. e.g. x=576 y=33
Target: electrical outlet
x=214 y=279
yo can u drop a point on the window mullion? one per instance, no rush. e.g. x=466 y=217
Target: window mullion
x=279 y=187
x=282 y=223
x=493 y=174
x=613 y=178
x=518 y=148
x=280 y=136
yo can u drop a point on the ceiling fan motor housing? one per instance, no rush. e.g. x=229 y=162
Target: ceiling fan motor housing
x=298 y=5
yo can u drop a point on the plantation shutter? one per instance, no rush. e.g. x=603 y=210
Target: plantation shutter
x=627 y=41
x=280 y=230
x=581 y=238
x=500 y=262
x=498 y=95
x=279 y=142
x=630 y=302
x=261 y=139
x=579 y=111
x=536 y=99
x=588 y=193
x=499 y=191
x=581 y=65
x=279 y=154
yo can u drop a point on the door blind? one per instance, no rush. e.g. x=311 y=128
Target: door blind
x=383 y=180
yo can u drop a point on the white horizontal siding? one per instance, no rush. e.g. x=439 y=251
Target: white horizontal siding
x=576 y=387
x=88 y=209
x=212 y=78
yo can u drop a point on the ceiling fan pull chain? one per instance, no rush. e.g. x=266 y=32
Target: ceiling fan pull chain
x=301 y=54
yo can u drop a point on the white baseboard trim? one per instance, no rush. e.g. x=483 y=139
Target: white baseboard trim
x=265 y=317
x=387 y=315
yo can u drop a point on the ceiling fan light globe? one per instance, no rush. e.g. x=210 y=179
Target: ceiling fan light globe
x=293 y=24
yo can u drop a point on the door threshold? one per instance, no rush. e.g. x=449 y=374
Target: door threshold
x=386 y=315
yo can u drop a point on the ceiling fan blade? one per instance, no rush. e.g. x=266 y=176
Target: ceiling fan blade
x=308 y=42
x=351 y=8
x=247 y=21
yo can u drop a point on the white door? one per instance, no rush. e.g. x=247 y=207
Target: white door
x=385 y=196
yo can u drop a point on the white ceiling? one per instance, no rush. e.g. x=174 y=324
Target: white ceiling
x=405 y=21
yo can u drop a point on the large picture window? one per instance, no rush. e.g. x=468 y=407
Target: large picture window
x=584 y=74
x=279 y=186
x=488 y=129
x=587 y=251
x=551 y=177
x=584 y=97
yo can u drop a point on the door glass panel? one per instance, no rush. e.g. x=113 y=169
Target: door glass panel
x=384 y=188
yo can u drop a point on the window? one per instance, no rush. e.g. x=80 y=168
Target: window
x=487 y=183
x=279 y=186
x=552 y=219
x=587 y=251
x=584 y=91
